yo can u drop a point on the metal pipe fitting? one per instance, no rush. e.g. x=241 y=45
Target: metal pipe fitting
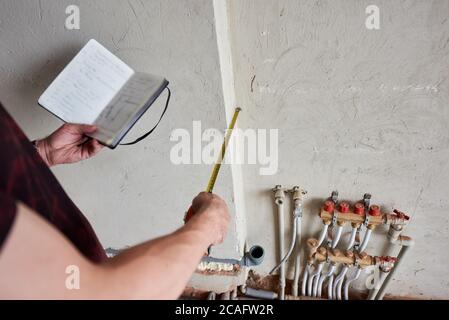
x=254 y=256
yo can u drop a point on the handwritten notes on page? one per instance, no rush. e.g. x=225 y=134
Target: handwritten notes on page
x=129 y=101
x=87 y=85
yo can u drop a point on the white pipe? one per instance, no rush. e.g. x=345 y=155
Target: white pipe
x=348 y=282
x=281 y=250
x=406 y=243
x=330 y=286
x=393 y=235
x=279 y=200
x=225 y=296
x=304 y=280
x=324 y=277
x=310 y=281
x=211 y=296
x=352 y=238
x=337 y=236
x=365 y=240
x=260 y=294
x=295 y=283
x=296 y=238
x=290 y=250
x=338 y=282
x=315 y=284
x=234 y=294
x=323 y=234
x=297 y=197
x=373 y=292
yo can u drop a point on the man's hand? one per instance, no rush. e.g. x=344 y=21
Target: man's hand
x=68 y=144
x=211 y=212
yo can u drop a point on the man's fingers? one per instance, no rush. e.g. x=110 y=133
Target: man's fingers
x=80 y=128
x=95 y=147
x=83 y=140
x=199 y=200
x=91 y=148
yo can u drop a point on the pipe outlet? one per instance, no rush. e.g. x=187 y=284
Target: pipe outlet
x=254 y=256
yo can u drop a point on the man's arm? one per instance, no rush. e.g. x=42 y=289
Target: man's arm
x=34 y=259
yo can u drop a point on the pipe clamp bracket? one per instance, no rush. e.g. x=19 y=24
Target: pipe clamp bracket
x=356 y=261
x=366 y=222
x=334 y=218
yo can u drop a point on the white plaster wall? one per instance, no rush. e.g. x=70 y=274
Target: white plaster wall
x=357 y=110
x=134 y=193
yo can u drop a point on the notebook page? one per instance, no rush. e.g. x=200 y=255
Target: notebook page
x=128 y=102
x=87 y=85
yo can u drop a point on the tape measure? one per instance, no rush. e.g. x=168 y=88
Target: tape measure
x=217 y=166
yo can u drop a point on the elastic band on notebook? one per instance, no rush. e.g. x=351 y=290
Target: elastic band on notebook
x=154 y=128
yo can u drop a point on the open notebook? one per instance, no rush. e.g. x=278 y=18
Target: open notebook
x=98 y=88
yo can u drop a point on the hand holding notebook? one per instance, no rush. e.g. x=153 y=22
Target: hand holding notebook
x=98 y=88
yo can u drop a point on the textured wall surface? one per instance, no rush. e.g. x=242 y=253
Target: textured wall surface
x=357 y=110
x=133 y=193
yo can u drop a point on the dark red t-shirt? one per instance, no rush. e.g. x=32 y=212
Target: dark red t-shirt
x=26 y=178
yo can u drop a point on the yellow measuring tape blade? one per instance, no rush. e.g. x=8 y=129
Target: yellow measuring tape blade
x=217 y=166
